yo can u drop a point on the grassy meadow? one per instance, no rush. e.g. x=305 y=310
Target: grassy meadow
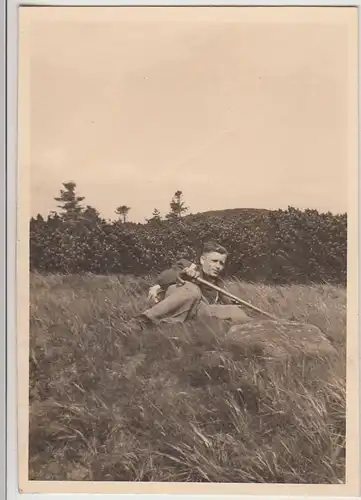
x=184 y=402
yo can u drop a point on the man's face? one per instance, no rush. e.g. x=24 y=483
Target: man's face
x=213 y=263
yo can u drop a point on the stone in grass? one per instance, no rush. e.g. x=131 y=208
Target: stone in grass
x=280 y=339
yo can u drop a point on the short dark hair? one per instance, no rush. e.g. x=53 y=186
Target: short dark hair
x=213 y=246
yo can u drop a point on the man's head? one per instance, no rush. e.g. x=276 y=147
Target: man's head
x=213 y=259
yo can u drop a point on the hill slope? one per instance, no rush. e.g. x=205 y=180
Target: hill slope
x=230 y=212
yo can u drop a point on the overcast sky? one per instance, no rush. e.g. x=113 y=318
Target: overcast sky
x=233 y=113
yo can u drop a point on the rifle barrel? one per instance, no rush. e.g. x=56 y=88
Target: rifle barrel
x=236 y=299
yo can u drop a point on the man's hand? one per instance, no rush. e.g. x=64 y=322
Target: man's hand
x=191 y=272
x=153 y=293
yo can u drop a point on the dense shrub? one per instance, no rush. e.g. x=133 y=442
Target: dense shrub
x=281 y=246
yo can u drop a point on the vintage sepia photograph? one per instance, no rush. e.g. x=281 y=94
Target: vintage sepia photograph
x=189 y=201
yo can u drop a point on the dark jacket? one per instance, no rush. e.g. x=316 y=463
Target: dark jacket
x=211 y=296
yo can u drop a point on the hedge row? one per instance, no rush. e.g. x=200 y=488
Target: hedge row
x=283 y=246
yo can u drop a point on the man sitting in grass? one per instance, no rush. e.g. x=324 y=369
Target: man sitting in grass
x=179 y=297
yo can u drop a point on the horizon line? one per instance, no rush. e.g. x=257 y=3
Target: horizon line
x=258 y=209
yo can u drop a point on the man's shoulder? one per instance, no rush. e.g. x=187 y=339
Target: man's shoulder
x=182 y=263
x=221 y=283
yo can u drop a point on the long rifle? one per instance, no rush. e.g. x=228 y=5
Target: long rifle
x=236 y=299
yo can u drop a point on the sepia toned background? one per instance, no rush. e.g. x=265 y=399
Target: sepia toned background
x=58 y=138
x=233 y=113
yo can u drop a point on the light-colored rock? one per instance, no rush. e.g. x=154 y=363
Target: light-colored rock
x=280 y=338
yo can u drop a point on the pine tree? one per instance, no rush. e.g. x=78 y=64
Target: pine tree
x=177 y=207
x=123 y=211
x=156 y=217
x=69 y=202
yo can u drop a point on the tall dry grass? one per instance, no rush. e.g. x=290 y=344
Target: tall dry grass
x=180 y=403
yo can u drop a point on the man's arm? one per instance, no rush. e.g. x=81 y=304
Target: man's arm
x=170 y=276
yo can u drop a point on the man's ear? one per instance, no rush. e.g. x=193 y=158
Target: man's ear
x=201 y=260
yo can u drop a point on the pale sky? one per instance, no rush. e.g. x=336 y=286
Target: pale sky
x=233 y=113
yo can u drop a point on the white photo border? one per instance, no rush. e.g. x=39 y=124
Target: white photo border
x=8 y=229
x=3 y=437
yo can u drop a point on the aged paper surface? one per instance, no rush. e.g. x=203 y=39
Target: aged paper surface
x=35 y=182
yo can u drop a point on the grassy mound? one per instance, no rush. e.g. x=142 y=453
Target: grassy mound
x=195 y=402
